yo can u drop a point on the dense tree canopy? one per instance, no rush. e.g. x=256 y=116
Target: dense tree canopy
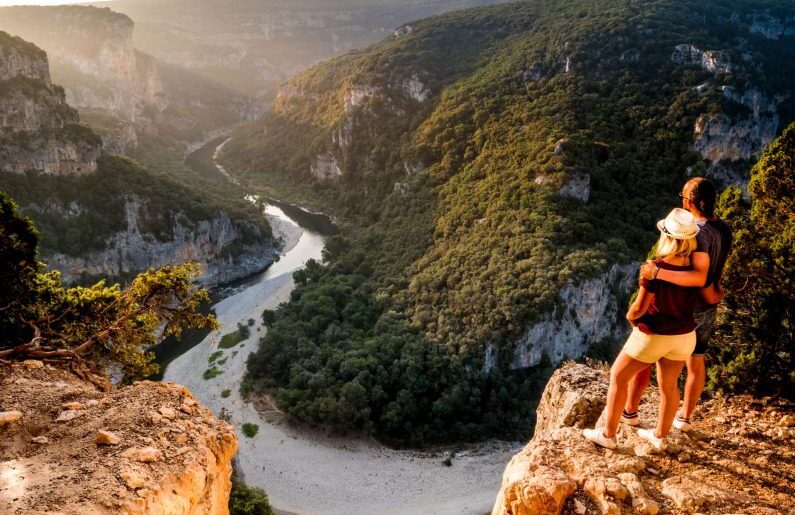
x=552 y=136
x=757 y=323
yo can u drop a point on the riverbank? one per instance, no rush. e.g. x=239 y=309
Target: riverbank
x=305 y=472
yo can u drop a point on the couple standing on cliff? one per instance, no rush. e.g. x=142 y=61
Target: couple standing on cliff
x=672 y=319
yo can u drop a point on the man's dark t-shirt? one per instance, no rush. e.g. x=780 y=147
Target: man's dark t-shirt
x=671 y=310
x=714 y=238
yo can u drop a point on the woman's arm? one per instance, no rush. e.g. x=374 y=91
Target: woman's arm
x=711 y=294
x=640 y=306
x=695 y=277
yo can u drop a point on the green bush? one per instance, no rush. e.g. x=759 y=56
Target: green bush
x=250 y=430
x=226 y=393
x=212 y=372
x=248 y=500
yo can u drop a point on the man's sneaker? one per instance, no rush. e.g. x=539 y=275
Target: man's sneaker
x=631 y=419
x=682 y=424
x=649 y=436
x=598 y=437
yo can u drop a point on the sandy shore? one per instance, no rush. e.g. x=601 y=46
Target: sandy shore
x=310 y=474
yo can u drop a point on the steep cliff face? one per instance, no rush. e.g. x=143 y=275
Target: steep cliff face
x=70 y=447
x=208 y=242
x=736 y=461
x=586 y=313
x=38 y=130
x=93 y=57
x=125 y=93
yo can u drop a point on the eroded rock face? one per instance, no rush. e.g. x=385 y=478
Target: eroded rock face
x=710 y=470
x=326 y=167
x=586 y=313
x=713 y=61
x=721 y=137
x=38 y=130
x=179 y=466
x=204 y=241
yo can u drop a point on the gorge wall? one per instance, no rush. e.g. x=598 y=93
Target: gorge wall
x=52 y=166
x=123 y=93
x=67 y=446
x=208 y=242
x=38 y=130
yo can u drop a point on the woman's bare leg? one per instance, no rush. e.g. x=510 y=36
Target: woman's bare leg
x=667 y=376
x=622 y=371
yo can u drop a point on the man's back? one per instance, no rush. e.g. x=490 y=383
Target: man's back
x=714 y=238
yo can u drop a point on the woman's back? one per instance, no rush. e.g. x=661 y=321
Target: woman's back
x=671 y=309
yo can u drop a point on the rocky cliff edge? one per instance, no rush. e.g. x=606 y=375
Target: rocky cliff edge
x=70 y=447
x=739 y=459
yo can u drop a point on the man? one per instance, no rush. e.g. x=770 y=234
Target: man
x=714 y=241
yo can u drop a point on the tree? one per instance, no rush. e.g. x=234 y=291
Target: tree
x=756 y=323
x=247 y=500
x=18 y=268
x=99 y=324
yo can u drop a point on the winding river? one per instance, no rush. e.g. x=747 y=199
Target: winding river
x=305 y=472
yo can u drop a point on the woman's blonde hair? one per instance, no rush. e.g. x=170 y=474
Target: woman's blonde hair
x=667 y=246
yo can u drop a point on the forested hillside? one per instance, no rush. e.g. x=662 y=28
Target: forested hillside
x=493 y=165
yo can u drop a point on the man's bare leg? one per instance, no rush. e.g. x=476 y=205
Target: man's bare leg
x=635 y=389
x=696 y=376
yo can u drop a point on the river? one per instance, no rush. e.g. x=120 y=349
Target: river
x=308 y=473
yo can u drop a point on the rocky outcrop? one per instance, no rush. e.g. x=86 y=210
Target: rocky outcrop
x=325 y=167
x=586 y=313
x=205 y=241
x=708 y=471
x=741 y=136
x=38 y=130
x=93 y=57
x=149 y=448
x=713 y=61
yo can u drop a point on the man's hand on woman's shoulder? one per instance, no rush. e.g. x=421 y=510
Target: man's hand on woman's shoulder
x=647 y=270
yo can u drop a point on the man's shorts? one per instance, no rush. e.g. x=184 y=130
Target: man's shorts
x=705 y=326
x=649 y=348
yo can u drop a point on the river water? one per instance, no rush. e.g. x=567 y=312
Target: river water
x=302 y=471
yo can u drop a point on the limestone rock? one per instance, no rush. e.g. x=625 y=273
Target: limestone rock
x=596 y=487
x=574 y=396
x=587 y=313
x=72 y=405
x=168 y=413
x=787 y=421
x=66 y=471
x=134 y=478
x=540 y=492
x=68 y=415
x=33 y=363
x=641 y=502
x=107 y=438
x=7 y=417
x=143 y=454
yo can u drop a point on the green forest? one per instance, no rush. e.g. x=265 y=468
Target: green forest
x=460 y=220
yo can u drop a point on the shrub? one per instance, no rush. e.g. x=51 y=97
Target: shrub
x=250 y=430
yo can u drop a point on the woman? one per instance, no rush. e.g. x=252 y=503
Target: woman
x=663 y=332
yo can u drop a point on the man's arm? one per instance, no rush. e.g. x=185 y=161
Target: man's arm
x=640 y=306
x=695 y=277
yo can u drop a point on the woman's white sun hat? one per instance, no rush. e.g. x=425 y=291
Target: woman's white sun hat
x=680 y=224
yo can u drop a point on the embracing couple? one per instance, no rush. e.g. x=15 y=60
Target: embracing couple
x=672 y=319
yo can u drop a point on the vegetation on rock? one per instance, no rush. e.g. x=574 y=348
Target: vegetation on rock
x=103 y=325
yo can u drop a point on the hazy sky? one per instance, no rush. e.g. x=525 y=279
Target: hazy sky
x=38 y=2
